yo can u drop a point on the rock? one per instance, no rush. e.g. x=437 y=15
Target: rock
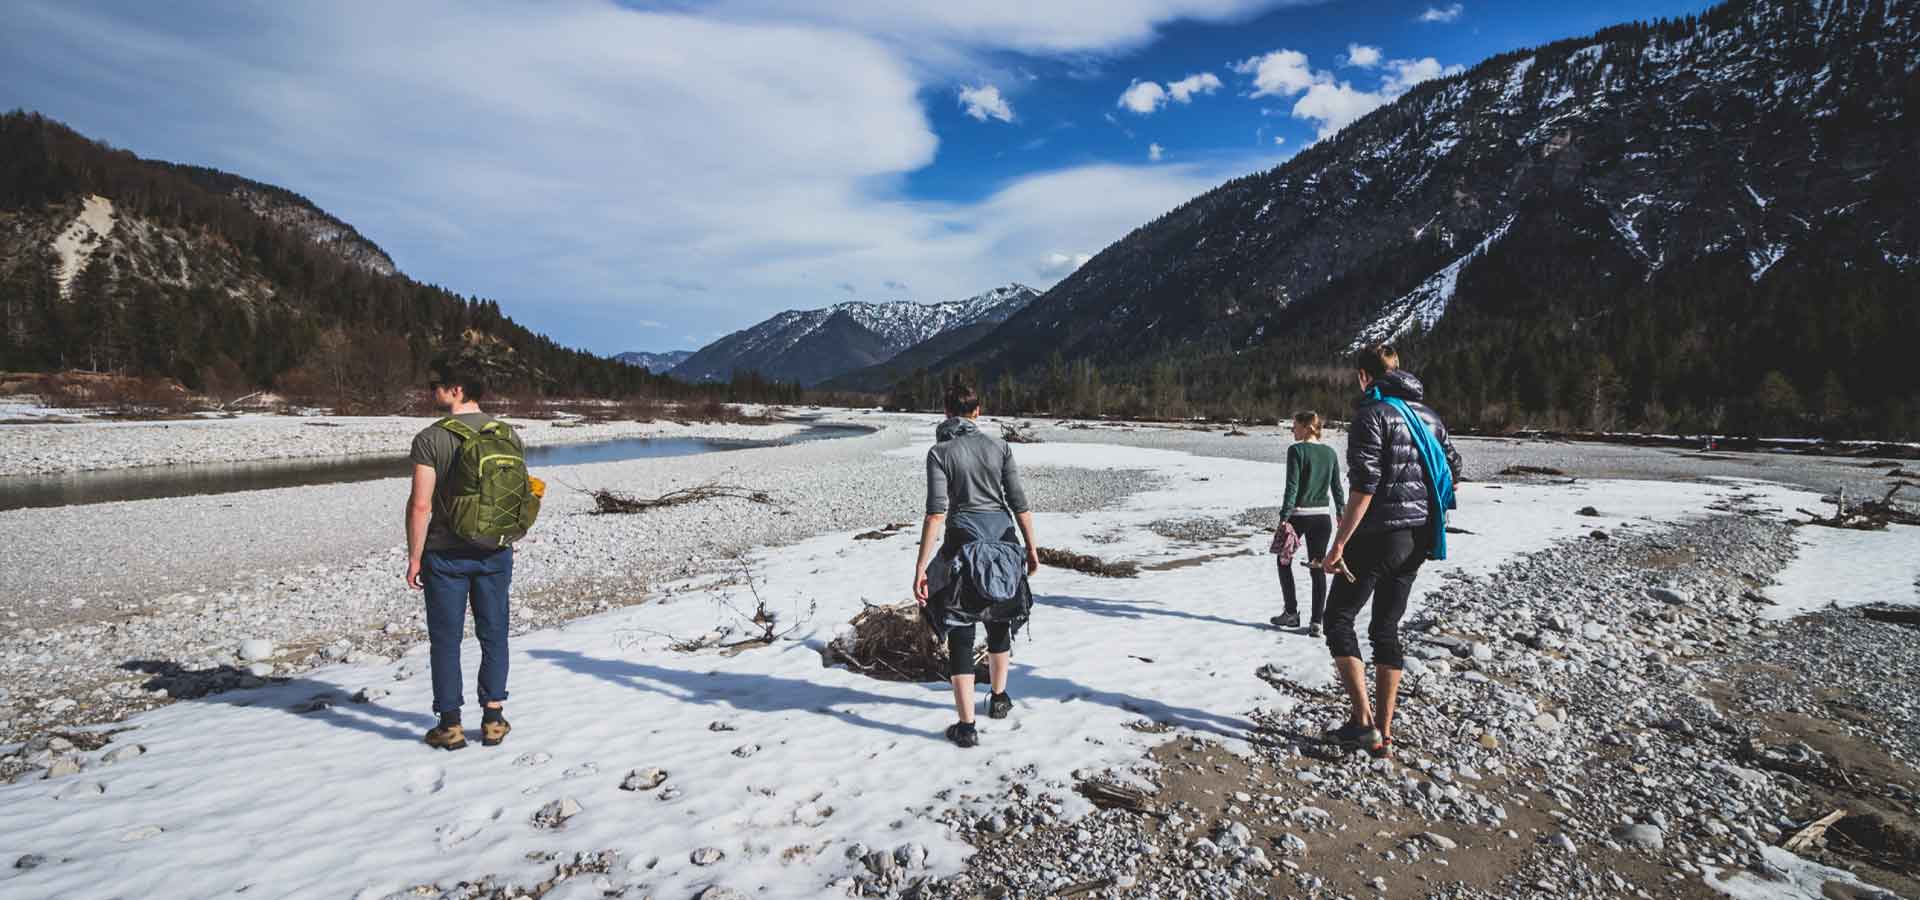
x=1670 y=596
x=254 y=649
x=643 y=779
x=1440 y=841
x=1480 y=651
x=1488 y=741
x=556 y=814
x=910 y=856
x=993 y=824
x=1234 y=836
x=369 y=694
x=123 y=753
x=1587 y=511
x=81 y=790
x=260 y=670
x=1646 y=837
x=1562 y=842
x=706 y=856
x=336 y=651
x=716 y=892
x=30 y=861
x=392 y=628
x=745 y=750
x=1594 y=631
x=63 y=766
x=719 y=726
x=880 y=862
x=141 y=833
x=1546 y=722
x=1291 y=844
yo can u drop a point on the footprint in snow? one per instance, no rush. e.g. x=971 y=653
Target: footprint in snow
x=426 y=780
x=453 y=834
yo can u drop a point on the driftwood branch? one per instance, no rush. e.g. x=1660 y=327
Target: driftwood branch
x=609 y=501
x=1092 y=565
x=1869 y=515
x=1805 y=837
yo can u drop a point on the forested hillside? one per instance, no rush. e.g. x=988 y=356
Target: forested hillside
x=112 y=263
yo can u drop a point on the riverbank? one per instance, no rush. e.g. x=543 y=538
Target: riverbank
x=47 y=449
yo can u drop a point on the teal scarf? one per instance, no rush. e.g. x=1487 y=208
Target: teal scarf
x=1433 y=460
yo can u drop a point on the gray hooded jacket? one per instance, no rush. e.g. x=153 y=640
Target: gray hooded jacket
x=969 y=471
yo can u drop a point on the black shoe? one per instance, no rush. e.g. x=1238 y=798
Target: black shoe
x=1289 y=619
x=963 y=734
x=999 y=705
x=1355 y=737
x=1314 y=630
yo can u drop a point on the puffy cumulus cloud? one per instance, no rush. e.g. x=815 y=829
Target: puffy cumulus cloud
x=1143 y=97
x=1328 y=101
x=1444 y=15
x=1281 y=73
x=1403 y=74
x=984 y=102
x=1155 y=152
x=1183 y=91
x=1057 y=265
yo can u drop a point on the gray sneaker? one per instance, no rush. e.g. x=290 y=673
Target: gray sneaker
x=1357 y=737
x=1286 y=620
x=1314 y=630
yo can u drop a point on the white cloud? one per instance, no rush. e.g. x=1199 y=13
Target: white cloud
x=1443 y=14
x=517 y=152
x=1183 y=90
x=1143 y=97
x=1403 y=74
x=984 y=102
x=1155 y=152
x=1057 y=265
x=646 y=323
x=1281 y=73
x=1278 y=140
x=1327 y=100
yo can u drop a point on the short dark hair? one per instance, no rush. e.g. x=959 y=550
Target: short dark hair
x=469 y=377
x=961 y=400
x=1377 y=360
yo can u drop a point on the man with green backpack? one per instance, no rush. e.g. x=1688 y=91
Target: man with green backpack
x=471 y=498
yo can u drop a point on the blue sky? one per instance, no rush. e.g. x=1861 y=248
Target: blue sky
x=651 y=176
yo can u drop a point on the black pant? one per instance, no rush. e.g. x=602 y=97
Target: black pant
x=960 y=645
x=1383 y=565
x=1315 y=531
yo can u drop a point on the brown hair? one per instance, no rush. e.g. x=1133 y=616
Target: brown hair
x=961 y=400
x=1377 y=360
x=456 y=371
x=1310 y=419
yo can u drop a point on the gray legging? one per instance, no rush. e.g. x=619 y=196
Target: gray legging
x=1315 y=531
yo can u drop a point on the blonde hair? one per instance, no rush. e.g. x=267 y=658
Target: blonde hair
x=1309 y=419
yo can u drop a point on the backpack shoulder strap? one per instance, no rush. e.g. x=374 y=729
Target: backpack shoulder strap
x=460 y=429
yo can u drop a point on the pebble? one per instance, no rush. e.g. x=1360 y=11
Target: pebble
x=253 y=649
x=1646 y=837
x=745 y=750
x=716 y=892
x=643 y=779
x=706 y=856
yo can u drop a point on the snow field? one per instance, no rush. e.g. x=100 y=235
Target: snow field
x=238 y=791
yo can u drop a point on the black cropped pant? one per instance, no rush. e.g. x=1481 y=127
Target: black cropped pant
x=1383 y=565
x=960 y=645
x=1314 y=532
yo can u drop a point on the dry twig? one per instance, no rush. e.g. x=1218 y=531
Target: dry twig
x=1092 y=565
x=610 y=501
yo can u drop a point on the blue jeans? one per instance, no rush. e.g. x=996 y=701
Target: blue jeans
x=454 y=578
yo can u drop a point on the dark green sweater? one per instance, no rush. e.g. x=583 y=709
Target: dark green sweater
x=1313 y=473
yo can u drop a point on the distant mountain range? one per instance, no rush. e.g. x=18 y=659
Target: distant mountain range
x=654 y=362
x=813 y=345
x=1696 y=222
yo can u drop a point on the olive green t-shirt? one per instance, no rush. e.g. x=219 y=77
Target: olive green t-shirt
x=437 y=447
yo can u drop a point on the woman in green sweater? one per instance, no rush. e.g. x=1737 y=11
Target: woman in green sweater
x=1315 y=496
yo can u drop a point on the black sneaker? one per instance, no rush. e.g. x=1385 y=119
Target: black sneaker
x=963 y=734
x=1357 y=737
x=1314 y=630
x=999 y=705
x=1286 y=620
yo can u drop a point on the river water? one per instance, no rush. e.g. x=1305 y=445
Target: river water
x=152 y=482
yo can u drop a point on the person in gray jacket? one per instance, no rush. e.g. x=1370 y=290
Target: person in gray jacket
x=1388 y=529
x=973 y=493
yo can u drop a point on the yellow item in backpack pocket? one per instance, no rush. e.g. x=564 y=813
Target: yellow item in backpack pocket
x=539 y=487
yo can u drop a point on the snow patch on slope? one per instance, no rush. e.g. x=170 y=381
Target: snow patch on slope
x=1424 y=305
x=76 y=244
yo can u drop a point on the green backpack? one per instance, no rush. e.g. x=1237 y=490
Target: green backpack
x=493 y=500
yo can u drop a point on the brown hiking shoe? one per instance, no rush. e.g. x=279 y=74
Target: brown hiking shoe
x=447 y=737
x=493 y=731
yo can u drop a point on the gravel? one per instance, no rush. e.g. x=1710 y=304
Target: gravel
x=1549 y=757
